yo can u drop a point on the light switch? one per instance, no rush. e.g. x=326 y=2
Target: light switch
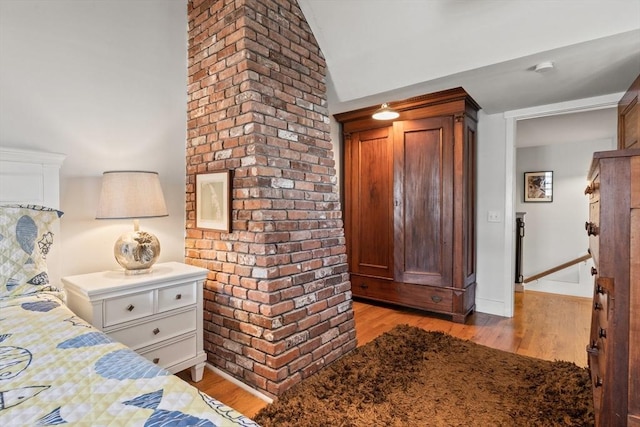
x=494 y=216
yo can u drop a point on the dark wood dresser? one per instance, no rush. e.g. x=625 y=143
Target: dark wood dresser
x=614 y=242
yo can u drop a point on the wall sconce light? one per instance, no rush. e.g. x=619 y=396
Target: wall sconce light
x=543 y=67
x=385 y=113
x=133 y=195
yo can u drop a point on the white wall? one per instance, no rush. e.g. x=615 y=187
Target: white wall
x=103 y=82
x=493 y=181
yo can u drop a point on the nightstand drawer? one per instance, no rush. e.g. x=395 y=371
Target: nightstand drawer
x=128 y=307
x=158 y=314
x=177 y=296
x=173 y=353
x=157 y=330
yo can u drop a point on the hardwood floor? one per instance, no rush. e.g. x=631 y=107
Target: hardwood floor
x=545 y=326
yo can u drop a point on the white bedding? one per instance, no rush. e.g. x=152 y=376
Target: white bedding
x=56 y=369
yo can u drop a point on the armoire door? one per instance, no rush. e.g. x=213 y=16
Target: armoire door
x=423 y=201
x=369 y=220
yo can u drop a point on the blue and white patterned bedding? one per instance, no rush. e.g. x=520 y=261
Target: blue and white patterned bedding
x=56 y=369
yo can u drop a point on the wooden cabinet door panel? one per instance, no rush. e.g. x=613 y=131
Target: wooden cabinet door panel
x=423 y=161
x=371 y=190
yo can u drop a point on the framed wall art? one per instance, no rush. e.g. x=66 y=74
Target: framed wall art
x=538 y=186
x=213 y=200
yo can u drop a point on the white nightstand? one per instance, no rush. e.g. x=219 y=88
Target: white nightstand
x=159 y=315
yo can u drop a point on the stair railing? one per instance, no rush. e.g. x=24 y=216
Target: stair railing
x=557 y=268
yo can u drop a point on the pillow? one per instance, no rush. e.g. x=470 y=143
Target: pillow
x=25 y=240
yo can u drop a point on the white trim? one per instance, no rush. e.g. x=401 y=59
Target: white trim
x=579 y=105
x=490 y=306
x=239 y=383
x=509 y=212
x=9 y=154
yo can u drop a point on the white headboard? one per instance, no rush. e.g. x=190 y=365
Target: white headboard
x=33 y=177
x=30 y=177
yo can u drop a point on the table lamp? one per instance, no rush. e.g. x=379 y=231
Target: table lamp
x=133 y=195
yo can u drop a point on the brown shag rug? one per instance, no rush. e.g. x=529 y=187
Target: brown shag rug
x=411 y=377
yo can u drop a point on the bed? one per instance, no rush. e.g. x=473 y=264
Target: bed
x=55 y=368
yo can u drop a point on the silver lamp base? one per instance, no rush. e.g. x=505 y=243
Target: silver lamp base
x=136 y=251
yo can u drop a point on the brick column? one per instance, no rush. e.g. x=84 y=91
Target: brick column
x=278 y=297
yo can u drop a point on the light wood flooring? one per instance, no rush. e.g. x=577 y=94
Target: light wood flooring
x=546 y=326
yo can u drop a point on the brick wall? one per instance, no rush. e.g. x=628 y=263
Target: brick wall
x=278 y=299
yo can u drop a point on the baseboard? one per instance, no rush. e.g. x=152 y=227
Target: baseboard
x=490 y=306
x=239 y=383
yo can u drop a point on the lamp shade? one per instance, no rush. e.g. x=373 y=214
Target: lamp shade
x=131 y=194
x=385 y=113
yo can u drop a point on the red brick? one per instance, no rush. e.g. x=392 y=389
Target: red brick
x=278 y=294
x=277 y=375
x=282 y=359
x=268 y=347
x=279 y=388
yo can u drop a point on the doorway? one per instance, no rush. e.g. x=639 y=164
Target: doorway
x=514 y=119
x=558 y=149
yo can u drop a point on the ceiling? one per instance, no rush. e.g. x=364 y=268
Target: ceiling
x=385 y=50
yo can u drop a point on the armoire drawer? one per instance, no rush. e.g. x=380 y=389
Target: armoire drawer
x=370 y=287
x=419 y=296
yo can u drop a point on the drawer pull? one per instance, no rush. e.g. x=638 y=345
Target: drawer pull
x=436 y=298
x=591 y=188
x=602 y=333
x=364 y=286
x=156 y=360
x=130 y=307
x=594 y=271
x=598 y=382
x=156 y=331
x=593 y=349
x=592 y=229
x=597 y=306
x=179 y=296
x=600 y=289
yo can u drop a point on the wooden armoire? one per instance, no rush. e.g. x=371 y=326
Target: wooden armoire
x=410 y=200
